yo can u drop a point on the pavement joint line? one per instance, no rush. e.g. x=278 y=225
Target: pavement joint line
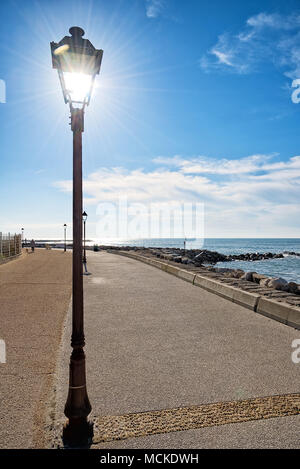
x=133 y=425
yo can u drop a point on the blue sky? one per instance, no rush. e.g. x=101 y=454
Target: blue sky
x=193 y=104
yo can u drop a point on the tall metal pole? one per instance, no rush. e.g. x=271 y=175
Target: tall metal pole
x=77 y=407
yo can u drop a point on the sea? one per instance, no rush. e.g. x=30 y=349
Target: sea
x=287 y=268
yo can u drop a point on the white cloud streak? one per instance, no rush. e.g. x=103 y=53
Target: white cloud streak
x=266 y=37
x=154 y=8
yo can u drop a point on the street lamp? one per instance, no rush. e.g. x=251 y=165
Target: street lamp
x=77 y=62
x=65 y=237
x=22 y=240
x=84 y=218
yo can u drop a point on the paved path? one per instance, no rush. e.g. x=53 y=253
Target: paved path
x=35 y=293
x=156 y=342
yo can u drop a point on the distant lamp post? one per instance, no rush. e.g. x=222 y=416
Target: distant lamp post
x=22 y=237
x=84 y=218
x=77 y=62
x=65 y=237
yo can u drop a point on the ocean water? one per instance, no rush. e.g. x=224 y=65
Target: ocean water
x=287 y=268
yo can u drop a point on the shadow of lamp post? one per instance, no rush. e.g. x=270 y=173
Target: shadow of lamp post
x=77 y=62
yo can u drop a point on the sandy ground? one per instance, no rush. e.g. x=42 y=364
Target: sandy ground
x=35 y=292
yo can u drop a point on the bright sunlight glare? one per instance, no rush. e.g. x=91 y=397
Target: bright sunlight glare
x=78 y=85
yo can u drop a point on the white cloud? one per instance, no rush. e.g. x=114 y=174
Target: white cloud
x=154 y=8
x=224 y=58
x=265 y=38
x=255 y=196
x=274 y=20
x=263 y=19
x=223 y=166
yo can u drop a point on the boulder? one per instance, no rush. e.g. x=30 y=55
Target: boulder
x=176 y=258
x=293 y=287
x=258 y=277
x=209 y=257
x=223 y=270
x=168 y=257
x=248 y=276
x=264 y=282
x=268 y=255
x=238 y=273
x=278 y=283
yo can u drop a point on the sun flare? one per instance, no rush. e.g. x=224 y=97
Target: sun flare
x=78 y=85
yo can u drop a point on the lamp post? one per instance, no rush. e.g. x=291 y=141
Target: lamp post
x=77 y=62
x=84 y=218
x=22 y=240
x=65 y=237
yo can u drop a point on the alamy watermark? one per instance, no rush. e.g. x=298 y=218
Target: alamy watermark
x=2 y=91
x=2 y=351
x=295 y=95
x=129 y=220
x=296 y=353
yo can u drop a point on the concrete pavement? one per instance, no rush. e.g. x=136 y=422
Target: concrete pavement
x=35 y=292
x=157 y=342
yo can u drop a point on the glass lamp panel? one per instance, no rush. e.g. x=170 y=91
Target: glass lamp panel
x=77 y=62
x=78 y=86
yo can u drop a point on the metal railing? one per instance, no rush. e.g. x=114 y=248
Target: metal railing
x=10 y=245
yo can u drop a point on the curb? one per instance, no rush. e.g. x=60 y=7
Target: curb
x=283 y=313
x=279 y=311
x=241 y=297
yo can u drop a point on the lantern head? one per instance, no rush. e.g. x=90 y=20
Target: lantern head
x=77 y=62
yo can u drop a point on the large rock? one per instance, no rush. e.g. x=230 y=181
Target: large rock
x=238 y=273
x=233 y=273
x=209 y=257
x=248 y=276
x=258 y=277
x=278 y=283
x=293 y=288
x=264 y=282
x=177 y=258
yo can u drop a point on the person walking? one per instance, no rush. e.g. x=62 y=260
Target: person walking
x=32 y=244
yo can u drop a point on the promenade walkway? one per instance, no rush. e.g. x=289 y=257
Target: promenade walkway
x=35 y=293
x=158 y=343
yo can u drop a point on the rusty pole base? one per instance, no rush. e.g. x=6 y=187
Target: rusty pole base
x=78 y=432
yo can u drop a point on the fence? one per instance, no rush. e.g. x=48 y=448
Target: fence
x=10 y=245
